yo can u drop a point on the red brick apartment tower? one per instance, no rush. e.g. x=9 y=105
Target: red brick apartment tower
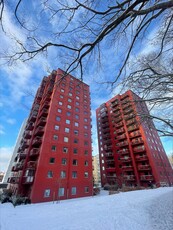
x=54 y=159
x=130 y=149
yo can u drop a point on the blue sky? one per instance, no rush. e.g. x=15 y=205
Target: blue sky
x=19 y=81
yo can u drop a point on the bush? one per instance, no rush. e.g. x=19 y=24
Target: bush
x=96 y=191
x=18 y=200
x=5 y=196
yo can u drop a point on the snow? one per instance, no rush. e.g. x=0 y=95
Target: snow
x=150 y=209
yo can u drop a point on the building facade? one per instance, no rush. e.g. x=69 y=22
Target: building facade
x=14 y=155
x=54 y=159
x=96 y=170
x=130 y=149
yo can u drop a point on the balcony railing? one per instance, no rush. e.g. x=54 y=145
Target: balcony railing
x=27 y=134
x=127 y=117
x=120 y=130
x=44 y=113
x=46 y=105
x=132 y=128
x=30 y=126
x=144 y=167
x=117 y=125
x=129 y=122
x=139 y=149
x=37 y=141
x=142 y=158
x=13 y=180
x=121 y=137
x=125 y=159
x=146 y=177
x=123 y=143
x=34 y=152
x=123 y=152
x=110 y=169
x=42 y=121
x=129 y=177
x=118 y=119
x=39 y=130
x=138 y=141
x=135 y=134
x=28 y=179
x=129 y=110
x=127 y=168
x=31 y=164
x=109 y=154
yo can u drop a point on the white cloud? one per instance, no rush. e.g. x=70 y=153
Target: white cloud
x=2 y=132
x=11 y=121
x=5 y=156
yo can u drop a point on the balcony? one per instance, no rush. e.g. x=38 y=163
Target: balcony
x=144 y=167
x=104 y=114
x=30 y=126
x=28 y=179
x=31 y=164
x=115 y=103
x=127 y=117
x=110 y=161
x=44 y=113
x=121 y=137
x=46 y=105
x=17 y=167
x=13 y=180
x=109 y=154
x=104 y=119
x=122 y=143
x=106 y=125
x=110 y=169
x=34 y=152
x=135 y=134
x=37 y=141
x=115 y=109
x=22 y=155
x=42 y=121
x=133 y=127
x=27 y=134
x=116 y=114
x=117 y=125
x=120 y=130
x=139 y=149
x=146 y=177
x=106 y=136
x=123 y=151
x=142 y=158
x=118 y=119
x=108 y=141
x=129 y=177
x=125 y=159
x=127 y=168
x=111 y=175
x=126 y=105
x=129 y=110
x=39 y=131
x=137 y=141
x=132 y=121
x=33 y=117
x=24 y=144
x=106 y=130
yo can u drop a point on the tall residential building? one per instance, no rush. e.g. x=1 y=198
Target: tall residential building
x=8 y=172
x=130 y=149
x=54 y=159
x=96 y=170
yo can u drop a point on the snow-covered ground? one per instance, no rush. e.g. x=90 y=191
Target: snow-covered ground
x=139 y=210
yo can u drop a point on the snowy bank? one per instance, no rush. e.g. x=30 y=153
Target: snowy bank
x=139 y=210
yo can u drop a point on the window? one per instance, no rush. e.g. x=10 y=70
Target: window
x=56 y=127
x=53 y=148
x=76 y=116
x=86 y=174
x=58 y=118
x=60 y=102
x=69 y=106
x=65 y=139
x=77 y=109
x=63 y=174
x=77 y=92
x=86 y=163
x=75 y=151
x=64 y=161
x=73 y=190
x=70 y=89
x=62 y=90
x=85 y=127
x=86 y=152
x=74 y=162
x=74 y=174
x=50 y=174
x=61 y=192
x=46 y=192
x=86 y=189
x=52 y=160
x=68 y=114
x=77 y=103
x=70 y=94
x=65 y=150
x=85 y=119
x=59 y=110
x=67 y=121
x=85 y=143
x=55 y=137
x=76 y=141
x=76 y=132
x=85 y=134
x=85 y=112
x=61 y=96
x=76 y=124
x=77 y=97
x=69 y=100
x=67 y=130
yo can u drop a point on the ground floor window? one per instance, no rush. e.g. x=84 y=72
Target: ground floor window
x=46 y=192
x=73 y=190
x=61 y=192
x=86 y=189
